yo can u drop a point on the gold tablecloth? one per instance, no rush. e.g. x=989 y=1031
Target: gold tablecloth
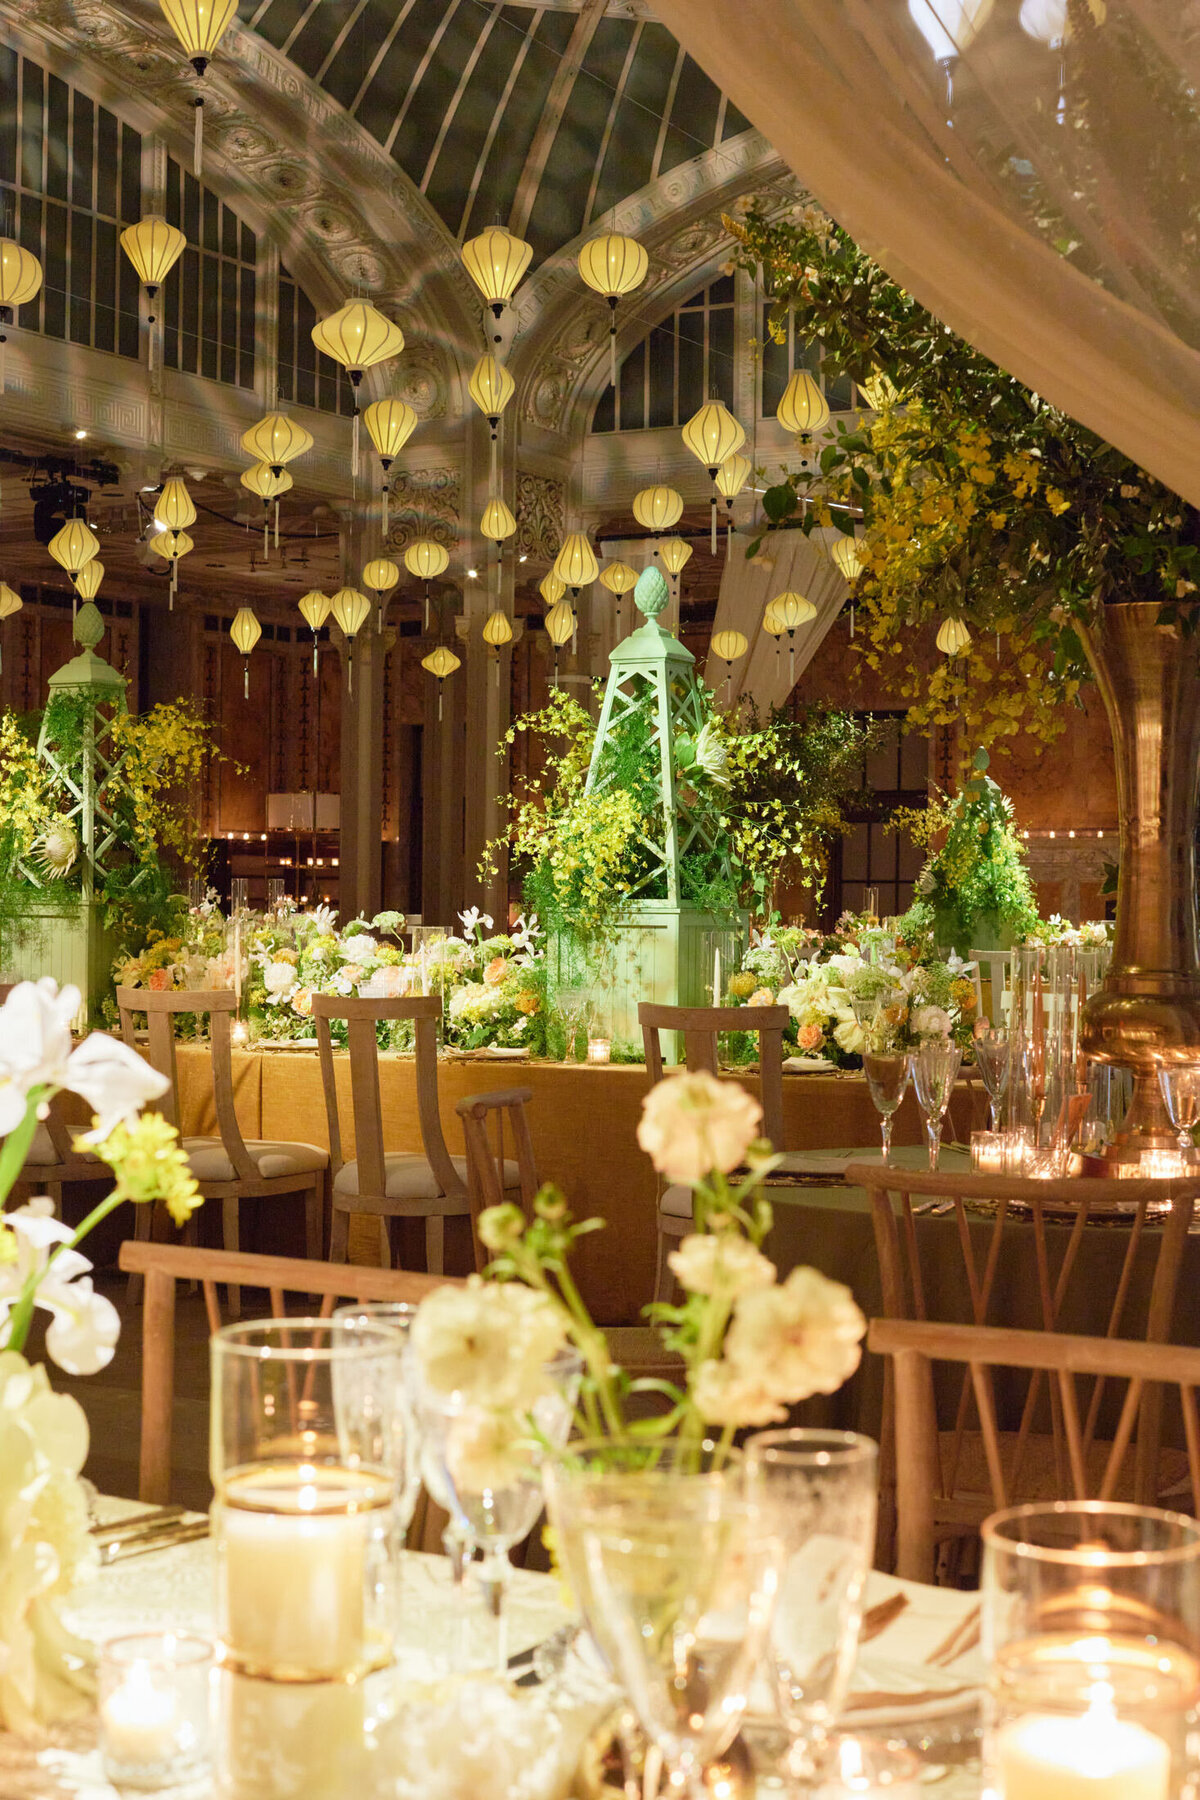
x=583 y=1121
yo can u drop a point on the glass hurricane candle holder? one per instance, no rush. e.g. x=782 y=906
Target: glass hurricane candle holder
x=1091 y=1630
x=303 y=1468
x=987 y=1152
x=155 y=1706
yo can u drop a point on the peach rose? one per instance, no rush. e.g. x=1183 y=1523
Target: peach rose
x=496 y=971
x=160 y=981
x=810 y=1037
x=302 y=1002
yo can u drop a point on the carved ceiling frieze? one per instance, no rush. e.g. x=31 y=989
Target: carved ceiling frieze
x=541 y=516
x=424 y=503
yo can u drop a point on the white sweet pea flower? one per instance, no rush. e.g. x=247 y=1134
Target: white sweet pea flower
x=957 y=966
x=320 y=920
x=84 y=1330
x=710 y=1261
x=692 y=1124
x=525 y=935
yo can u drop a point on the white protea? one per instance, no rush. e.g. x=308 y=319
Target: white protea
x=712 y=756
x=56 y=849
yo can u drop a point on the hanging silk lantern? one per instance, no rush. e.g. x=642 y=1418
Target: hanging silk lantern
x=20 y=280
x=497 y=632
x=351 y=611
x=390 y=424
x=245 y=632
x=953 y=637
x=72 y=548
x=276 y=440
x=731 y=478
x=552 y=587
x=1049 y=21
x=171 y=545
x=491 y=387
x=262 y=480
x=878 y=390
x=613 y=266
x=711 y=434
x=496 y=261
x=357 y=336
x=658 y=508
x=315 y=608
x=804 y=408
x=175 y=507
x=199 y=25
x=846 y=559
x=381 y=576
x=729 y=647
x=497 y=522
x=440 y=662
x=560 y=625
x=576 y=562
x=787 y=612
x=153 y=247
x=10 y=601
x=87 y=582
x=427 y=559
x=675 y=552
x=618 y=578
x=949 y=26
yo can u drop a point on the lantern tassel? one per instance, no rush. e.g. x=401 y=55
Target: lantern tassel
x=266 y=532
x=712 y=519
x=852 y=618
x=314 y=656
x=439 y=702
x=350 y=671
x=385 y=511
x=792 y=663
x=246 y=677
x=495 y=447
x=354 y=443
x=3 y=364
x=612 y=352
x=198 y=138
x=277 y=524
x=426 y=606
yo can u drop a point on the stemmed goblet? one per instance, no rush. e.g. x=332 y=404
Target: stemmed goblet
x=991 y=1048
x=818 y=1488
x=935 y=1066
x=887 y=1073
x=1181 y=1095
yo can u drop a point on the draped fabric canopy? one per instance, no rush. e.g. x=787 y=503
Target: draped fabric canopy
x=790 y=562
x=1028 y=169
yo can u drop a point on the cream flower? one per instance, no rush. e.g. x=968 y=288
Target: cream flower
x=850 y=1035
x=693 y=1124
x=83 y=1331
x=800 y=1338
x=931 y=1021
x=279 y=979
x=489 y=1342
x=725 y=1395
x=35 y=1051
x=710 y=1262
x=487 y=1450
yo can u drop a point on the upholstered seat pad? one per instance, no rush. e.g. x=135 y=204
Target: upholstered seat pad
x=676 y=1202
x=209 y=1159
x=42 y=1152
x=408 y=1176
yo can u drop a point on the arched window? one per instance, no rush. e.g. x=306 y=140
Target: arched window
x=678 y=365
x=70 y=181
x=209 y=296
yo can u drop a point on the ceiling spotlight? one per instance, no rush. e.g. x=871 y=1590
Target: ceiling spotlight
x=80 y=433
x=522 y=559
x=472 y=574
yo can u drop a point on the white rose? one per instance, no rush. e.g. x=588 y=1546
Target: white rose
x=279 y=978
x=360 y=949
x=931 y=1021
x=845 y=964
x=488 y=1341
x=692 y=1124
x=800 y=1338
x=708 y=1261
x=725 y=1395
x=850 y=1035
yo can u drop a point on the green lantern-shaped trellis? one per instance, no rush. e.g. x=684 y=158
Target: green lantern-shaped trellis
x=653 y=701
x=87 y=696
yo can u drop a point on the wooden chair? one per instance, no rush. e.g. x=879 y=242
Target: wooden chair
x=392 y=1184
x=1050 y=1211
x=164 y=1265
x=53 y=1161
x=487 y=1167
x=228 y=1167
x=914 y=1346
x=701 y=1026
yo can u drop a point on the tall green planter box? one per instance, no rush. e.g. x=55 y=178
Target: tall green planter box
x=71 y=945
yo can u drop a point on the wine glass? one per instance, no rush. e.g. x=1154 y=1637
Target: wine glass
x=990 y=1044
x=487 y=1464
x=683 y=1575
x=1181 y=1093
x=819 y=1490
x=935 y=1067
x=390 y=1405
x=887 y=1073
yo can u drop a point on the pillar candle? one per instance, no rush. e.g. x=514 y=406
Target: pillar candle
x=1046 y=1756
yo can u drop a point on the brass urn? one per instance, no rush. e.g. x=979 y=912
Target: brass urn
x=1147 y=1012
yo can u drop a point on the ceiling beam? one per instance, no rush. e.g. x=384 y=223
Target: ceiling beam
x=590 y=15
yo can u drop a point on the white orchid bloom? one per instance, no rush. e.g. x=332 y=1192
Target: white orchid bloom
x=114 y=1080
x=321 y=919
x=525 y=935
x=472 y=919
x=957 y=966
x=83 y=1332
x=35 y=1051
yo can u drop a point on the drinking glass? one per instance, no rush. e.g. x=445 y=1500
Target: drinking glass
x=818 y=1492
x=302 y=1517
x=398 y=1443
x=1181 y=1093
x=1090 y=1618
x=992 y=1060
x=487 y=1465
x=887 y=1073
x=935 y=1070
x=683 y=1574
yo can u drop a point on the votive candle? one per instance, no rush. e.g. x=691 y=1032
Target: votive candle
x=1046 y=1756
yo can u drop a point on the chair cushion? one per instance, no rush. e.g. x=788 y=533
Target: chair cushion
x=209 y=1159
x=676 y=1203
x=408 y=1176
x=42 y=1154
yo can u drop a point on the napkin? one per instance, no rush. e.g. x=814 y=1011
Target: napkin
x=929 y=1652
x=816 y=1162
x=808 y=1065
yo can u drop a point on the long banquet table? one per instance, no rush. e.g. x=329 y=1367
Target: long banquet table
x=583 y=1120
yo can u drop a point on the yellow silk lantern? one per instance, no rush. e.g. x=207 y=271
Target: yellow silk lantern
x=613 y=265
x=390 y=424
x=87 y=582
x=576 y=562
x=20 y=280
x=496 y=261
x=10 y=601
x=245 y=632
x=658 y=508
x=315 y=608
x=953 y=637
x=441 y=663
x=276 y=440
x=712 y=434
x=175 y=507
x=552 y=587
x=804 y=408
x=351 y=610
